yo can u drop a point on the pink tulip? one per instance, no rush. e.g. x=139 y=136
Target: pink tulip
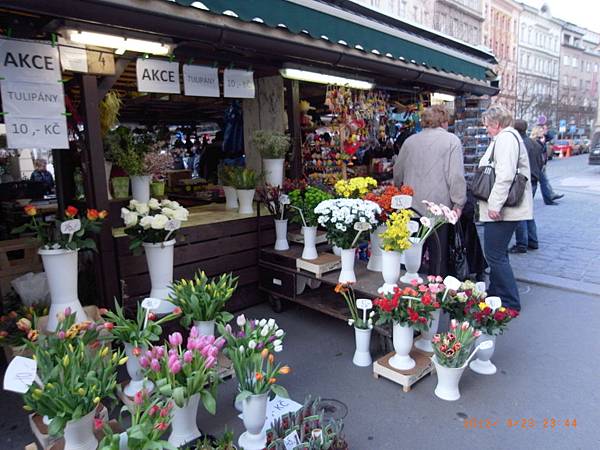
x=175 y=339
x=173 y=352
x=464 y=326
x=204 y=351
x=453 y=324
x=151 y=353
x=60 y=334
x=214 y=352
x=192 y=343
x=160 y=352
x=145 y=361
x=155 y=365
x=154 y=409
x=210 y=362
x=138 y=398
x=188 y=356
x=67 y=311
x=194 y=333
x=220 y=342
x=172 y=359
x=175 y=368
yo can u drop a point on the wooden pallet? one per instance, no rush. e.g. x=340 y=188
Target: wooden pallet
x=406 y=378
x=298 y=237
x=326 y=262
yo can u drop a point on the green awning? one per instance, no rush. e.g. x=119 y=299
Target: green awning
x=370 y=36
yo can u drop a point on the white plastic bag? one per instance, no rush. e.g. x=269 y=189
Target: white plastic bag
x=32 y=288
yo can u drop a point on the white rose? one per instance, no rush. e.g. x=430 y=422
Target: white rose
x=146 y=222
x=181 y=214
x=159 y=221
x=170 y=213
x=153 y=204
x=129 y=217
x=142 y=208
x=165 y=203
x=175 y=204
x=133 y=203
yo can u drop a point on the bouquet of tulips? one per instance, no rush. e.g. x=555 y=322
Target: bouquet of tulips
x=488 y=319
x=452 y=349
x=17 y=324
x=409 y=306
x=180 y=373
x=259 y=374
x=356 y=318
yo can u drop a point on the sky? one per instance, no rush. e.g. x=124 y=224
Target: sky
x=585 y=13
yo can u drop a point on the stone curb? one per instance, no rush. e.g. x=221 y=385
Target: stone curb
x=564 y=284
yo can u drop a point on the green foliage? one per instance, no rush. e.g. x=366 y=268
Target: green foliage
x=128 y=149
x=225 y=442
x=306 y=201
x=271 y=144
x=243 y=178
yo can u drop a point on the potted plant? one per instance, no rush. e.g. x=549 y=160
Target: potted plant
x=394 y=241
x=158 y=164
x=276 y=201
x=60 y=242
x=109 y=113
x=225 y=442
x=345 y=220
x=202 y=301
x=244 y=181
x=440 y=290
x=136 y=335
x=153 y=226
x=304 y=201
x=272 y=146
x=226 y=175
x=363 y=325
x=456 y=300
x=187 y=375
x=356 y=187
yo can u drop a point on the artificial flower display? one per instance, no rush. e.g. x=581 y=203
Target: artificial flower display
x=452 y=349
x=356 y=318
x=356 y=187
x=395 y=237
x=409 y=306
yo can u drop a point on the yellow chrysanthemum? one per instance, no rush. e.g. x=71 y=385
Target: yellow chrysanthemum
x=395 y=237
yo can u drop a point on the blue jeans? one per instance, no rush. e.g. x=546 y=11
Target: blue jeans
x=496 y=237
x=526 y=233
x=547 y=192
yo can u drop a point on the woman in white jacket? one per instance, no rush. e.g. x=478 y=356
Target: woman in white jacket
x=500 y=221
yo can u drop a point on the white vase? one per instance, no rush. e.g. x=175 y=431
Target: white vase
x=310 y=238
x=347 y=273
x=402 y=338
x=281 y=242
x=61 y=271
x=424 y=342
x=362 y=355
x=205 y=327
x=254 y=414
x=375 y=260
x=123 y=441
x=160 y=266
x=79 y=433
x=231 y=199
x=390 y=270
x=273 y=170
x=482 y=364
x=337 y=251
x=448 y=379
x=107 y=170
x=412 y=261
x=140 y=188
x=136 y=374
x=245 y=199
x=184 y=428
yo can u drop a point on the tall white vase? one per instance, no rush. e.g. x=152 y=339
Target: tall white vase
x=412 y=261
x=362 y=355
x=107 y=170
x=184 y=428
x=375 y=260
x=390 y=269
x=281 y=242
x=205 y=327
x=79 y=433
x=482 y=364
x=310 y=247
x=61 y=271
x=424 y=342
x=245 y=199
x=254 y=414
x=402 y=338
x=448 y=379
x=160 y=265
x=273 y=170
x=136 y=374
x=140 y=188
x=231 y=199
x=347 y=273
x=337 y=251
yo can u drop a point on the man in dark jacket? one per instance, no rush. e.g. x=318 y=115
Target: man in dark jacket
x=526 y=232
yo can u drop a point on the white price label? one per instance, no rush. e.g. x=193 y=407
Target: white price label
x=317 y=434
x=291 y=441
x=70 y=226
x=20 y=374
x=401 y=201
x=364 y=303
x=277 y=282
x=284 y=199
x=25 y=132
x=173 y=225
x=413 y=226
x=34 y=61
x=480 y=286
x=493 y=302
x=150 y=303
x=362 y=226
x=32 y=99
x=201 y=81
x=157 y=75
x=238 y=83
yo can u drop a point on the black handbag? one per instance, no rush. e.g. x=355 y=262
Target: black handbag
x=485 y=177
x=459 y=264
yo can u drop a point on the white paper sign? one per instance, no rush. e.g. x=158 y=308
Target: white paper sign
x=493 y=302
x=73 y=58
x=364 y=303
x=291 y=441
x=362 y=226
x=32 y=99
x=284 y=199
x=150 y=303
x=172 y=225
x=156 y=75
x=29 y=61
x=24 y=132
x=401 y=201
x=20 y=374
x=277 y=408
x=413 y=226
x=201 y=81
x=238 y=83
x=70 y=226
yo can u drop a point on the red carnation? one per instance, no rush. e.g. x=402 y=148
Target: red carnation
x=426 y=300
x=487 y=311
x=413 y=316
x=499 y=316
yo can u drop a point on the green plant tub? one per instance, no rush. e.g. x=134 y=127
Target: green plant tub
x=120 y=187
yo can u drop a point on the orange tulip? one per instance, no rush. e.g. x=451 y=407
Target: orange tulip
x=285 y=370
x=271 y=358
x=259 y=376
x=30 y=210
x=264 y=353
x=103 y=214
x=92 y=214
x=272 y=380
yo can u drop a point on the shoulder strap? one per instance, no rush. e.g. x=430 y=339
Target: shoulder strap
x=519 y=146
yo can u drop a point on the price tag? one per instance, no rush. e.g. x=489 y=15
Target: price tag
x=362 y=226
x=150 y=303
x=493 y=302
x=284 y=199
x=70 y=226
x=291 y=441
x=413 y=226
x=480 y=286
x=401 y=201
x=364 y=303
x=20 y=374
x=317 y=434
x=173 y=225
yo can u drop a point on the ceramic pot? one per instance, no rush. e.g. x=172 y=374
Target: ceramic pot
x=412 y=261
x=347 y=273
x=231 y=199
x=337 y=251
x=136 y=374
x=390 y=271
x=254 y=414
x=362 y=355
x=281 y=243
x=120 y=187
x=160 y=266
x=273 y=170
x=205 y=327
x=310 y=238
x=79 y=433
x=245 y=199
x=402 y=338
x=375 y=260
x=184 y=428
x=482 y=364
x=448 y=380
x=140 y=188
x=424 y=342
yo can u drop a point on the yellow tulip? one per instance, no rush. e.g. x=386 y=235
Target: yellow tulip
x=49 y=386
x=123 y=360
x=71 y=348
x=65 y=360
x=81 y=391
x=104 y=352
x=96 y=400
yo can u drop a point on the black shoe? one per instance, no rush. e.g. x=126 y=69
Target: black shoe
x=533 y=247
x=557 y=196
x=550 y=203
x=517 y=249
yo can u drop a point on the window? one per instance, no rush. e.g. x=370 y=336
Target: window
x=580 y=84
x=588 y=85
x=574 y=82
x=588 y=67
x=595 y=67
x=566 y=60
x=574 y=62
x=566 y=80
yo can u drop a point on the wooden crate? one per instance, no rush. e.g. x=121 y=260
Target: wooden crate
x=326 y=262
x=406 y=378
x=17 y=257
x=92 y=312
x=298 y=237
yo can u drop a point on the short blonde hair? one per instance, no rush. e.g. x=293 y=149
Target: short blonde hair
x=537 y=132
x=498 y=114
x=434 y=116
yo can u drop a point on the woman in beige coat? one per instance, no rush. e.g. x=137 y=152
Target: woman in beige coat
x=500 y=221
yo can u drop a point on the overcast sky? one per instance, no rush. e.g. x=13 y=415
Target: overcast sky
x=585 y=13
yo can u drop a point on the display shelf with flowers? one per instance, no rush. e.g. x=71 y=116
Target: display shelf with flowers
x=16 y=325
x=187 y=375
x=394 y=240
x=356 y=187
x=276 y=201
x=60 y=242
x=303 y=203
x=202 y=300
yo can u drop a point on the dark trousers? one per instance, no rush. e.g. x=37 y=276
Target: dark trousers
x=546 y=188
x=526 y=233
x=438 y=255
x=496 y=237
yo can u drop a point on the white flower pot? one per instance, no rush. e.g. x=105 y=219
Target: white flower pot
x=160 y=266
x=254 y=414
x=123 y=441
x=310 y=238
x=482 y=364
x=245 y=198
x=140 y=188
x=61 y=271
x=375 y=260
x=337 y=251
x=424 y=342
x=205 y=327
x=390 y=269
x=362 y=355
x=281 y=242
x=412 y=261
x=136 y=373
x=79 y=433
x=448 y=379
x=273 y=170
x=184 y=428
x=347 y=273
x=107 y=170
x=402 y=339
x=231 y=199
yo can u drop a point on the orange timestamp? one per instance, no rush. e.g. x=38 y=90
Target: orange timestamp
x=547 y=423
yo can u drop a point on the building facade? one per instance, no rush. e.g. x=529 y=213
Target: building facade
x=461 y=19
x=417 y=11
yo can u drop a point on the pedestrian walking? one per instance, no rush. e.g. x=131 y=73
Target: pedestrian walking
x=543 y=137
x=509 y=155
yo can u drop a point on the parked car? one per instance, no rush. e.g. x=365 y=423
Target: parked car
x=564 y=146
x=594 y=157
x=581 y=145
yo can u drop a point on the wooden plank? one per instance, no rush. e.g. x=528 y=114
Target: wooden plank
x=406 y=378
x=326 y=262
